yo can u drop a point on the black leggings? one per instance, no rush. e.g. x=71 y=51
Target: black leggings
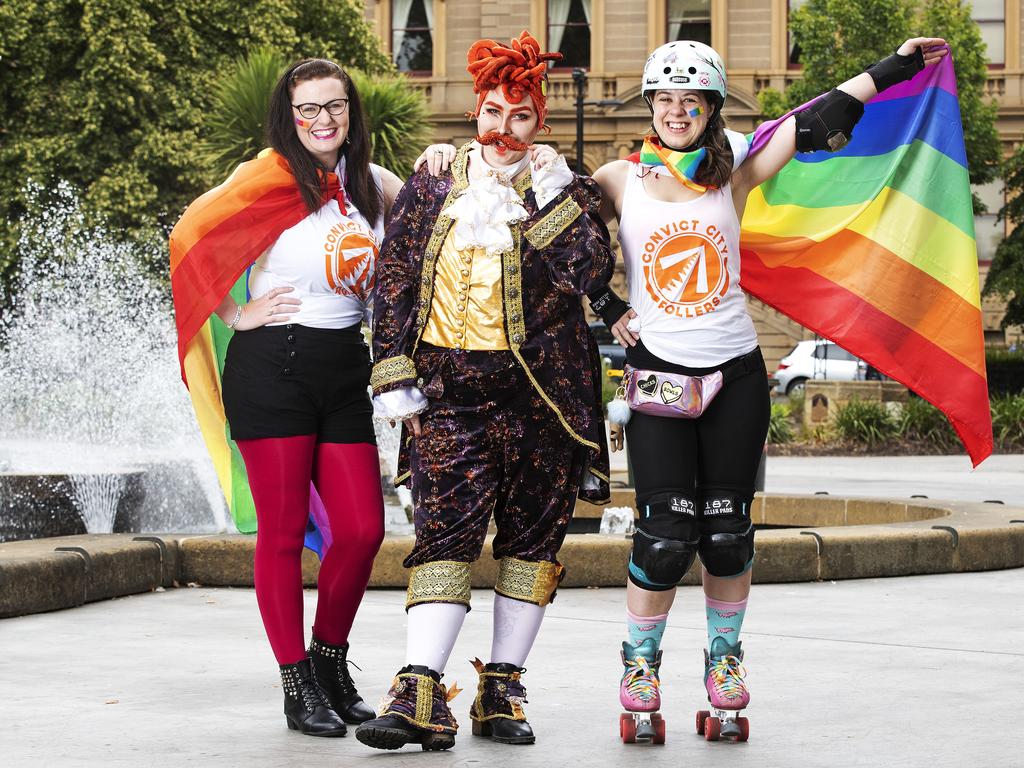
x=717 y=453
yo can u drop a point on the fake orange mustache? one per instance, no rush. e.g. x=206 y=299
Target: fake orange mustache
x=504 y=139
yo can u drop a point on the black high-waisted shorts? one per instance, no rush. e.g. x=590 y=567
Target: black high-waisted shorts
x=287 y=380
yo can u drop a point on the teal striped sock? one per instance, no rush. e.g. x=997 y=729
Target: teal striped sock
x=642 y=627
x=724 y=621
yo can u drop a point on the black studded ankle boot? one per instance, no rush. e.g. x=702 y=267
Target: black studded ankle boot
x=330 y=667
x=305 y=706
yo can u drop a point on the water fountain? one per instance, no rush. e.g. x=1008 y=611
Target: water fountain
x=97 y=433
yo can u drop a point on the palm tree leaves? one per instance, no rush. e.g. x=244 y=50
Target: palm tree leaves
x=397 y=118
x=396 y=115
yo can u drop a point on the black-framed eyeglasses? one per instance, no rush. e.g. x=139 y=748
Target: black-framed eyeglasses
x=310 y=110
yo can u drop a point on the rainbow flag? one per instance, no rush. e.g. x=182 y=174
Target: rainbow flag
x=873 y=247
x=212 y=246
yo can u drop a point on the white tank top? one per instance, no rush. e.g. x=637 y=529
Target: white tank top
x=683 y=270
x=329 y=259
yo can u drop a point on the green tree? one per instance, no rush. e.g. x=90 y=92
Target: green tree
x=396 y=114
x=113 y=95
x=236 y=128
x=1006 y=275
x=838 y=39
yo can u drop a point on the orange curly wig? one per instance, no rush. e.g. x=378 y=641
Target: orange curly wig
x=519 y=69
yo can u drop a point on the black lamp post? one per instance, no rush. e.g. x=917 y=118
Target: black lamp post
x=579 y=80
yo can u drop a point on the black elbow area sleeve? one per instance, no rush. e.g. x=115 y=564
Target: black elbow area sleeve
x=607 y=305
x=828 y=123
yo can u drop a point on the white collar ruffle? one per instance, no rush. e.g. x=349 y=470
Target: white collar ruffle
x=484 y=210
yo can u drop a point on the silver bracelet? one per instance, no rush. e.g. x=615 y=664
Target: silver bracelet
x=238 y=316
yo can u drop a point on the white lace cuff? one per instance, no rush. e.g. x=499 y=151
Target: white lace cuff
x=549 y=181
x=399 y=404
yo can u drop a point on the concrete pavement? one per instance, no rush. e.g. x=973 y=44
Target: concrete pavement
x=900 y=477
x=904 y=672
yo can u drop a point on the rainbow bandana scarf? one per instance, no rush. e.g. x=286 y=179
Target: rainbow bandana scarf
x=682 y=165
x=873 y=247
x=212 y=246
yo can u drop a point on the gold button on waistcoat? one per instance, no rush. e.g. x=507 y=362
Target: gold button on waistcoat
x=467 y=304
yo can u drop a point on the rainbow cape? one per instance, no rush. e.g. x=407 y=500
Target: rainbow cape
x=873 y=247
x=212 y=246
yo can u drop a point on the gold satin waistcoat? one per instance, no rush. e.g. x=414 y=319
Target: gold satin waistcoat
x=466 y=310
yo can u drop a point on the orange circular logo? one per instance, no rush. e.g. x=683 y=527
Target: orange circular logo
x=686 y=269
x=350 y=255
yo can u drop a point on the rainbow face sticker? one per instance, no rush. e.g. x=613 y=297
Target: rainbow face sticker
x=695 y=112
x=302 y=123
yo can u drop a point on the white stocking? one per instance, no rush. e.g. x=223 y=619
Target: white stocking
x=433 y=630
x=516 y=625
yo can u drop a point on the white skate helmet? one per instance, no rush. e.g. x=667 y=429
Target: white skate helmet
x=684 y=65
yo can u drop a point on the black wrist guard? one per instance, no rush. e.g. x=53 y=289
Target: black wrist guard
x=896 y=69
x=607 y=305
x=828 y=122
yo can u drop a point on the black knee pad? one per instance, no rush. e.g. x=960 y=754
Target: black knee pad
x=726 y=533
x=665 y=542
x=828 y=123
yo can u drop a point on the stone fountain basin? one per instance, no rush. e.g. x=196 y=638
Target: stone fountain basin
x=44 y=504
x=838 y=538
x=153 y=496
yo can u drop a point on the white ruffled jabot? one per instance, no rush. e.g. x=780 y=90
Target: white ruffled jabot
x=484 y=210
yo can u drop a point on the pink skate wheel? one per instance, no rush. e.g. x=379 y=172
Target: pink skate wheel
x=744 y=725
x=627 y=729
x=659 y=729
x=712 y=728
x=702 y=715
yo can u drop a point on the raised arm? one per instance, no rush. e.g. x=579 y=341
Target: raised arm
x=829 y=120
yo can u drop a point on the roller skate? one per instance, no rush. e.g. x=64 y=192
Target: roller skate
x=640 y=694
x=415 y=711
x=727 y=693
x=497 y=711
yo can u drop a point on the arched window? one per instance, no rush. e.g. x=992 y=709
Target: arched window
x=689 y=20
x=794 y=50
x=412 y=39
x=569 y=31
x=990 y=16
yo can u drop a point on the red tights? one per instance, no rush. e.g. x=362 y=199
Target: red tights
x=347 y=477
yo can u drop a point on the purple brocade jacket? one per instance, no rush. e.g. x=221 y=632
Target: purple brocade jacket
x=559 y=254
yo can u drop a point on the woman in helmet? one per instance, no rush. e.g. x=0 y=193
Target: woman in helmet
x=679 y=203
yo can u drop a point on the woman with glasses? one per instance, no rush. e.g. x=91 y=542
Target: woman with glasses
x=304 y=221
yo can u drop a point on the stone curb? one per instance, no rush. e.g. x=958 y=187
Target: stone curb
x=923 y=537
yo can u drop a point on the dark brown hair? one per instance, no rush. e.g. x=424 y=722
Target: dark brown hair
x=717 y=166
x=310 y=173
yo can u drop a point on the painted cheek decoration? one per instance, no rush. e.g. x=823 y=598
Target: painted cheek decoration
x=302 y=123
x=695 y=112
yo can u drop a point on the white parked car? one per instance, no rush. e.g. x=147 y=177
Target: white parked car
x=817 y=359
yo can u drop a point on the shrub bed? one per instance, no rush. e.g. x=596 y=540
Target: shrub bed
x=914 y=427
